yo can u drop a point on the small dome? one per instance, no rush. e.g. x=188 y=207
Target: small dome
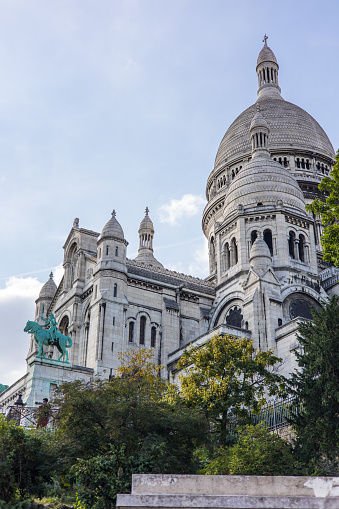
x=258 y=121
x=112 y=229
x=146 y=223
x=260 y=257
x=266 y=181
x=266 y=55
x=49 y=288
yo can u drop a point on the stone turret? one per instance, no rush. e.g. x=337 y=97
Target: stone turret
x=145 y=252
x=45 y=298
x=267 y=71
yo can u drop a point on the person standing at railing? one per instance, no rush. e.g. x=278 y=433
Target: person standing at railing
x=43 y=414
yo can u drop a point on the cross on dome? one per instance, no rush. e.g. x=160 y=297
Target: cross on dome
x=265 y=40
x=146 y=211
x=114 y=213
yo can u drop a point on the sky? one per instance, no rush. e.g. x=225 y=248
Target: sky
x=122 y=104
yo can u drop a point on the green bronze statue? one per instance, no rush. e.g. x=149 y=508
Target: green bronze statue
x=51 y=336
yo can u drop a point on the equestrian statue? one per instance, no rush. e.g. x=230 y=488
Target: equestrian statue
x=49 y=336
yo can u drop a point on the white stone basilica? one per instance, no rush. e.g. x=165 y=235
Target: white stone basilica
x=266 y=268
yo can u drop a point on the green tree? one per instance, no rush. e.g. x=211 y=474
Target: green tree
x=329 y=213
x=226 y=378
x=316 y=388
x=26 y=462
x=123 y=426
x=257 y=452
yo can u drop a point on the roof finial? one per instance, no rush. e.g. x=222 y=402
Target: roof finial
x=265 y=40
x=146 y=211
x=114 y=213
x=51 y=275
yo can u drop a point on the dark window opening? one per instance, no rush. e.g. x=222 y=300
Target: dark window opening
x=254 y=236
x=153 y=337
x=300 y=308
x=106 y=250
x=301 y=248
x=142 y=330
x=268 y=240
x=130 y=332
x=115 y=288
x=279 y=322
x=116 y=251
x=234 y=317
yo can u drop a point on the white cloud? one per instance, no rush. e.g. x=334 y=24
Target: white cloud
x=199 y=265
x=20 y=287
x=17 y=305
x=189 y=205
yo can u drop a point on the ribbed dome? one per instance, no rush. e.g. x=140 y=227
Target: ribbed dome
x=264 y=181
x=290 y=127
x=112 y=229
x=266 y=55
x=49 y=288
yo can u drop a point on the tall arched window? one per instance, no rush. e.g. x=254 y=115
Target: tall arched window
x=115 y=290
x=301 y=248
x=142 y=330
x=254 y=236
x=268 y=240
x=153 y=337
x=130 y=332
x=291 y=241
x=227 y=256
x=234 y=248
x=63 y=326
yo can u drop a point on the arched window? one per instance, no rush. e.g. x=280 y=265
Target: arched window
x=234 y=249
x=291 y=241
x=130 y=332
x=227 y=256
x=301 y=248
x=116 y=251
x=107 y=250
x=115 y=290
x=234 y=317
x=298 y=162
x=63 y=326
x=142 y=330
x=254 y=236
x=153 y=337
x=268 y=240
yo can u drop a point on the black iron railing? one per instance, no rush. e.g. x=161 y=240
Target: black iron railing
x=32 y=417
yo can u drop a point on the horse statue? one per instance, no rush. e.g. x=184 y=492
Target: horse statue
x=43 y=337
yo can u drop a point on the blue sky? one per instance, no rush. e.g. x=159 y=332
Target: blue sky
x=122 y=104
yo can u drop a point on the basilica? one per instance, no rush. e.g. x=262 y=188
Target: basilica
x=265 y=259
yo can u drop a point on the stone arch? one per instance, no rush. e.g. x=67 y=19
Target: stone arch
x=268 y=239
x=299 y=305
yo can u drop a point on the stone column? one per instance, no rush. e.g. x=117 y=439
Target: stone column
x=296 y=249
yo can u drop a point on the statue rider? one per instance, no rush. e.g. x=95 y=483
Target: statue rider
x=53 y=328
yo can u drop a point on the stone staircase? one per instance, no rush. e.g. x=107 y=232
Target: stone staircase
x=230 y=492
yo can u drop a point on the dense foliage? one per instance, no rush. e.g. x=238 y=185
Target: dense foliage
x=226 y=379
x=316 y=388
x=328 y=210
x=26 y=461
x=257 y=452
x=122 y=427
x=139 y=423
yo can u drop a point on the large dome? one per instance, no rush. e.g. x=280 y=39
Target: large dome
x=290 y=127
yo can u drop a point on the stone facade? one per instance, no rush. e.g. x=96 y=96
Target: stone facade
x=266 y=268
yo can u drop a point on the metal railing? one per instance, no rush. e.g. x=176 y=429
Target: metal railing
x=32 y=417
x=276 y=414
